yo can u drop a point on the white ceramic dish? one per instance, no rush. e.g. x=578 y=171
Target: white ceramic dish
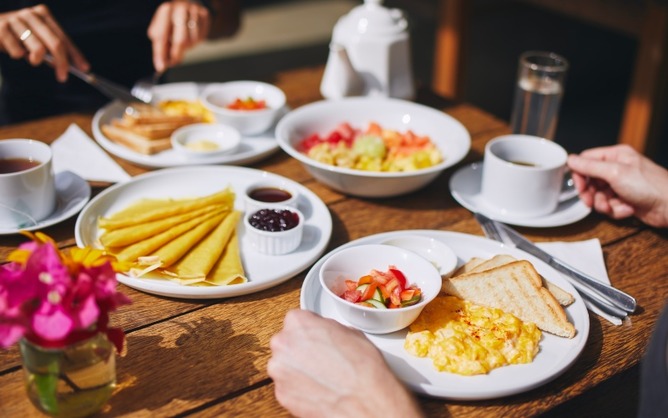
x=72 y=194
x=217 y=96
x=191 y=139
x=263 y=271
x=431 y=249
x=275 y=242
x=252 y=204
x=354 y=262
x=250 y=150
x=555 y=357
x=323 y=117
x=465 y=188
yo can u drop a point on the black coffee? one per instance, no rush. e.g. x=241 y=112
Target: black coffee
x=524 y=163
x=14 y=165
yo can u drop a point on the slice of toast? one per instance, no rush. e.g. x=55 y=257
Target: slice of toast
x=136 y=142
x=147 y=114
x=468 y=266
x=515 y=288
x=152 y=130
x=560 y=294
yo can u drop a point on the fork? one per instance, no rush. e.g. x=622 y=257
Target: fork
x=143 y=88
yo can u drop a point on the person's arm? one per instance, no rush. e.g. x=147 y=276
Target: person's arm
x=32 y=32
x=620 y=182
x=321 y=368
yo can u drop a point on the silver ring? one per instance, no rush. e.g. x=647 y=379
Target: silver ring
x=25 y=35
x=192 y=24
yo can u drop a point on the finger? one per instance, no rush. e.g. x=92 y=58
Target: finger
x=159 y=31
x=10 y=42
x=203 y=18
x=620 y=209
x=179 y=40
x=45 y=40
x=605 y=170
x=75 y=57
x=580 y=181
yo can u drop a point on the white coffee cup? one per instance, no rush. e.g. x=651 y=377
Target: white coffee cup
x=523 y=175
x=27 y=193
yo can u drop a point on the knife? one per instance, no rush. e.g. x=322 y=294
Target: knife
x=582 y=281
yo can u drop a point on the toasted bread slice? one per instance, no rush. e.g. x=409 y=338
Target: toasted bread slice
x=136 y=142
x=563 y=297
x=470 y=265
x=515 y=288
x=151 y=131
x=147 y=114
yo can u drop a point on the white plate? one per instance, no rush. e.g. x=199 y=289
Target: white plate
x=252 y=148
x=465 y=188
x=72 y=194
x=263 y=271
x=556 y=354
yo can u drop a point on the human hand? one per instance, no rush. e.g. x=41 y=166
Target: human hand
x=620 y=182
x=177 y=26
x=32 y=32
x=322 y=368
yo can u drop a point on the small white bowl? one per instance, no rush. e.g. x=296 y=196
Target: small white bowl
x=260 y=195
x=436 y=252
x=217 y=96
x=275 y=242
x=205 y=139
x=354 y=262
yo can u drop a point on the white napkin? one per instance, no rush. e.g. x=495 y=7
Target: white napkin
x=76 y=152
x=586 y=256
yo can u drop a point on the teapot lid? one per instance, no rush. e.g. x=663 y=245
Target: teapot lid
x=374 y=19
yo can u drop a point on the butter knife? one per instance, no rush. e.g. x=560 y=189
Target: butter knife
x=614 y=296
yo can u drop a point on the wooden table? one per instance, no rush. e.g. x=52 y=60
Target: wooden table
x=208 y=358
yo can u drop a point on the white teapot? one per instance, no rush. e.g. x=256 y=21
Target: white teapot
x=369 y=55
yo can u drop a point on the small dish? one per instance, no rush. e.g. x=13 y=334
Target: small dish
x=217 y=97
x=205 y=139
x=436 y=252
x=465 y=185
x=355 y=262
x=274 y=242
x=269 y=193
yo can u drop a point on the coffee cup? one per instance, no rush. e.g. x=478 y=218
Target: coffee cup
x=27 y=183
x=523 y=175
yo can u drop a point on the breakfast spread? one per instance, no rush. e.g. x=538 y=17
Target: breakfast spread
x=190 y=241
x=372 y=149
x=147 y=129
x=382 y=290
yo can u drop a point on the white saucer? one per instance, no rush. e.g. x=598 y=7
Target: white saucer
x=72 y=193
x=465 y=188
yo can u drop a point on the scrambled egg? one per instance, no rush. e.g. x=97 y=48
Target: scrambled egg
x=186 y=107
x=467 y=339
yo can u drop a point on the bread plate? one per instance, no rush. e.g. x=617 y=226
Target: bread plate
x=252 y=148
x=263 y=271
x=556 y=354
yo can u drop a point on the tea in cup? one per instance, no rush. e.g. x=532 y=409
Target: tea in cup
x=27 y=183
x=523 y=175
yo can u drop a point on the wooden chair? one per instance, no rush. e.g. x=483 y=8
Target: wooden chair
x=646 y=20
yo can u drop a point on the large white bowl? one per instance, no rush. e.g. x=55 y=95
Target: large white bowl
x=322 y=117
x=355 y=262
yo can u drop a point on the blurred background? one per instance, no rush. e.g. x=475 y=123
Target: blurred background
x=283 y=34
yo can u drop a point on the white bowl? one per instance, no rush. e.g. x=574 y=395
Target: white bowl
x=217 y=96
x=205 y=139
x=450 y=136
x=275 y=242
x=253 y=203
x=354 y=262
x=436 y=252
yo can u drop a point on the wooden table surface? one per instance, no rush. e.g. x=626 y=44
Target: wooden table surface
x=209 y=357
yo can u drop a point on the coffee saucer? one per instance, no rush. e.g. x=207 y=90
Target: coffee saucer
x=72 y=194
x=465 y=187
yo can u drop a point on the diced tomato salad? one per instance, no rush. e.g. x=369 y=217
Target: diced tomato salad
x=247 y=104
x=378 y=289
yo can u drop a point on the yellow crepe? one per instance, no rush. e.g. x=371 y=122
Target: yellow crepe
x=150 y=210
x=148 y=246
x=202 y=257
x=123 y=237
x=229 y=269
x=171 y=252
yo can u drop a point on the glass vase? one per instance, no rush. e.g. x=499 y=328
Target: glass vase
x=72 y=381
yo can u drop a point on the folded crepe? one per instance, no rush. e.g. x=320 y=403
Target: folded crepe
x=229 y=269
x=148 y=210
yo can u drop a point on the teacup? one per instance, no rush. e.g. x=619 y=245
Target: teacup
x=523 y=175
x=27 y=183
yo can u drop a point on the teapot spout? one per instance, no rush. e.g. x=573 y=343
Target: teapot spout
x=340 y=78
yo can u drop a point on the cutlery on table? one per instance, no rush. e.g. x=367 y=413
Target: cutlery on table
x=106 y=87
x=607 y=298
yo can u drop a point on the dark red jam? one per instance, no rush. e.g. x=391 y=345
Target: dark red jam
x=269 y=194
x=274 y=220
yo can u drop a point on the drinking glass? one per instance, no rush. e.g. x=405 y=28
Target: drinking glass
x=540 y=86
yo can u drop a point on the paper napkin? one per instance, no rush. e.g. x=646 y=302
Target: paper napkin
x=75 y=151
x=586 y=256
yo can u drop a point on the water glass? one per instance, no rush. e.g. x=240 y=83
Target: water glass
x=538 y=93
